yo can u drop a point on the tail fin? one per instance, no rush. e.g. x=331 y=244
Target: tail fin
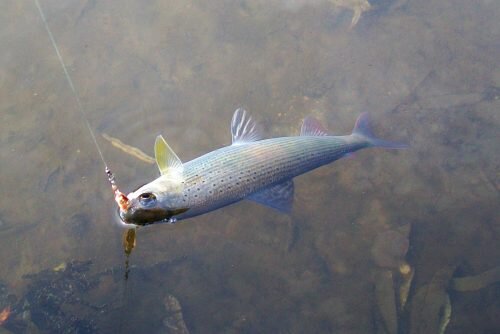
x=362 y=128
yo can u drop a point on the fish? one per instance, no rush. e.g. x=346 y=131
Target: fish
x=254 y=168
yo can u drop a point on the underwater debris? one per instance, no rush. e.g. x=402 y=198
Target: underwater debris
x=174 y=321
x=357 y=6
x=476 y=282
x=133 y=151
x=430 y=307
x=407 y=273
x=4 y=315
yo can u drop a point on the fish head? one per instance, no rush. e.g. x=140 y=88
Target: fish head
x=155 y=202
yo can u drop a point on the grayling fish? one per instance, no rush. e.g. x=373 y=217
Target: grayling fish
x=252 y=168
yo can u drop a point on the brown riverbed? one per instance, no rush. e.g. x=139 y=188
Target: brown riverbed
x=428 y=72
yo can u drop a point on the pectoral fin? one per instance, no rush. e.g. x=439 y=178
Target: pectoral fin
x=279 y=197
x=168 y=162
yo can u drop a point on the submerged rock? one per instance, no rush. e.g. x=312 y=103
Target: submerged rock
x=49 y=296
x=390 y=248
x=430 y=308
x=386 y=301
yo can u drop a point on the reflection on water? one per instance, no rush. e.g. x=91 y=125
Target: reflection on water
x=428 y=71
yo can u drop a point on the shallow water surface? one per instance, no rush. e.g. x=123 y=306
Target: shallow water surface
x=428 y=72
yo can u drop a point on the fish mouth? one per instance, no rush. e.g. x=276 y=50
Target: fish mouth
x=143 y=217
x=150 y=216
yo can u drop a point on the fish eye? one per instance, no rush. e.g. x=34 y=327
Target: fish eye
x=147 y=198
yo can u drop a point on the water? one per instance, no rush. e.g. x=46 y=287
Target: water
x=428 y=71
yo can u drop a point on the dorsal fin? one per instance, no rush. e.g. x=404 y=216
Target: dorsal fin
x=312 y=127
x=243 y=128
x=168 y=162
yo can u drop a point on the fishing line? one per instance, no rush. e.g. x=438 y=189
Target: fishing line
x=119 y=197
x=70 y=82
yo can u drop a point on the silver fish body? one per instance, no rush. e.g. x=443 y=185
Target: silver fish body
x=232 y=173
x=261 y=170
